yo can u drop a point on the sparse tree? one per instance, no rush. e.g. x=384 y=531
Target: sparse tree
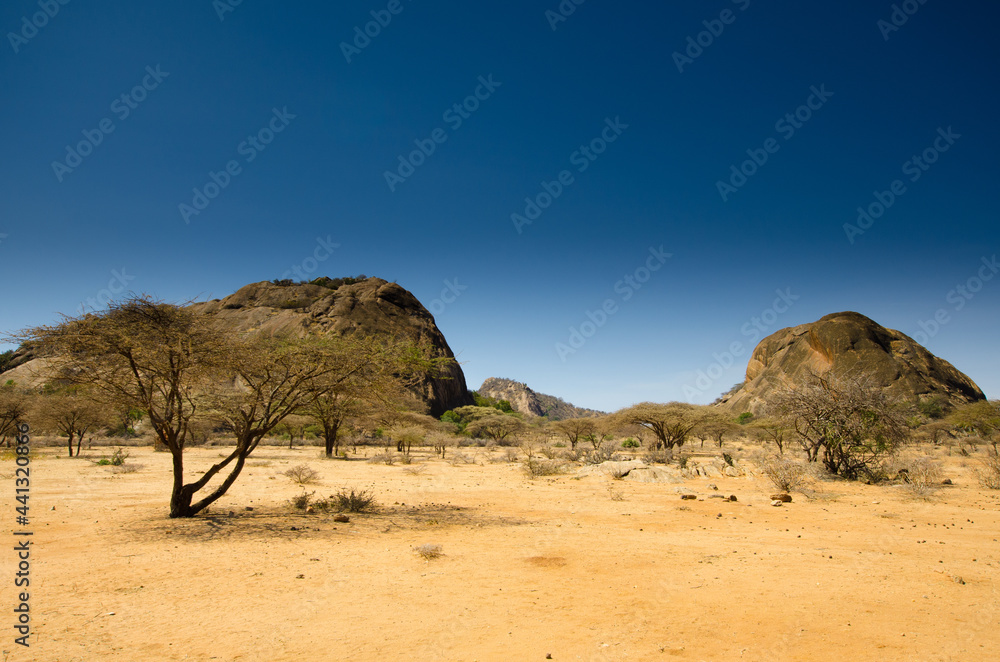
x=294 y=426
x=773 y=429
x=848 y=424
x=13 y=409
x=574 y=429
x=669 y=423
x=980 y=419
x=496 y=426
x=72 y=414
x=140 y=354
x=717 y=426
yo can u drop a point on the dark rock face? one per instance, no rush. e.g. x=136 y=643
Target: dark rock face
x=372 y=307
x=848 y=344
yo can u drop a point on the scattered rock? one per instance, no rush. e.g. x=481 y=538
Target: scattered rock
x=958 y=580
x=776 y=503
x=310 y=510
x=947 y=481
x=341 y=518
x=249 y=508
x=713 y=486
x=732 y=497
x=718 y=496
x=784 y=498
x=687 y=497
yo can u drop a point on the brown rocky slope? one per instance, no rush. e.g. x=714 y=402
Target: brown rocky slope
x=372 y=306
x=848 y=344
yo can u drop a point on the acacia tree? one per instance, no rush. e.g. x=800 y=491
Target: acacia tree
x=847 y=423
x=294 y=426
x=373 y=375
x=980 y=419
x=670 y=423
x=716 y=426
x=13 y=408
x=142 y=354
x=497 y=427
x=269 y=379
x=773 y=429
x=575 y=429
x=72 y=414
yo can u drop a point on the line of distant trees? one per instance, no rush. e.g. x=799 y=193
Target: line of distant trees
x=322 y=281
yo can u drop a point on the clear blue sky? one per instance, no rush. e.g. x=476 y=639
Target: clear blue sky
x=199 y=81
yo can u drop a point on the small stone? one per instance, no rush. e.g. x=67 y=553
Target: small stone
x=688 y=497
x=775 y=502
x=946 y=481
x=784 y=498
x=310 y=510
x=249 y=508
x=341 y=518
x=958 y=580
x=712 y=486
x=732 y=497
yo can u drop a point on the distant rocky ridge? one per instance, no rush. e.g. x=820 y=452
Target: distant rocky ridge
x=526 y=401
x=848 y=344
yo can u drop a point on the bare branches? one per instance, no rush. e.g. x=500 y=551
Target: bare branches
x=848 y=424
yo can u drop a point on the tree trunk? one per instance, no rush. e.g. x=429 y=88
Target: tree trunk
x=79 y=442
x=69 y=443
x=180 y=498
x=330 y=433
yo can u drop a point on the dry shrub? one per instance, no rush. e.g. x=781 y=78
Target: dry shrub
x=615 y=494
x=458 y=458
x=534 y=467
x=127 y=468
x=785 y=474
x=549 y=452
x=301 y=502
x=301 y=474
x=510 y=454
x=354 y=501
x=429 y=551
x=387 y=458
x=989 y=472
x=921 y=476
x=658 y=457
x=606 y=451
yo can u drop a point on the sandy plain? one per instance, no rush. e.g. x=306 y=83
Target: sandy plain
x=573 y=567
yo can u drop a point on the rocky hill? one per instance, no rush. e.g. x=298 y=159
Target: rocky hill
x=530 y=403
x=844 y=344
x=371 y=306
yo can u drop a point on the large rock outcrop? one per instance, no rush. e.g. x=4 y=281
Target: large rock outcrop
x=526 y=401
x=372 y=307
x=848 y=344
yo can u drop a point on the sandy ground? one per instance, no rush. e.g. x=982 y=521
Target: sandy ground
x=531 y=568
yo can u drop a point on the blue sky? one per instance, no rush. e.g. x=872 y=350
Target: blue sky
x=641 y=138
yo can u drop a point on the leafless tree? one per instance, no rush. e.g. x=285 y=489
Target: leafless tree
x=848 y=424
